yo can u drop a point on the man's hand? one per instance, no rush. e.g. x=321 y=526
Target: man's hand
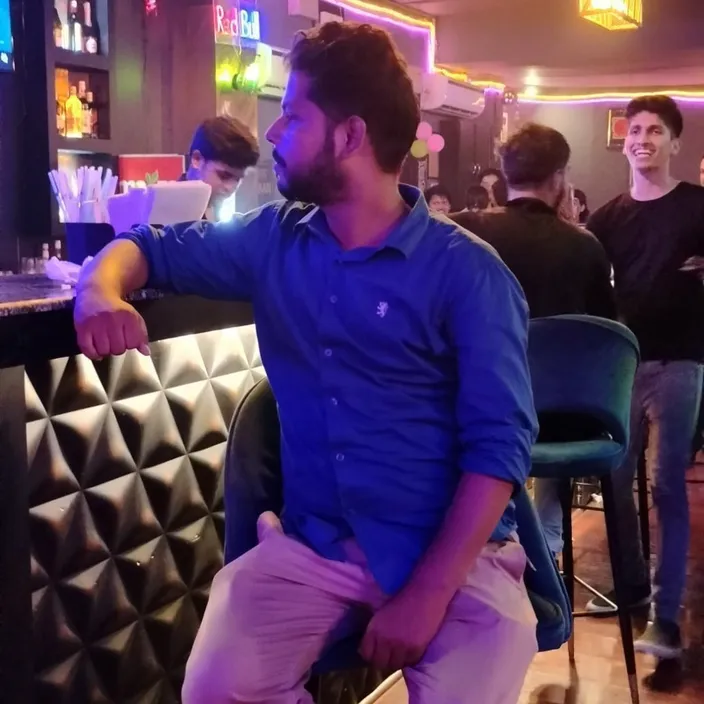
x=401 y=631
x=107 y=325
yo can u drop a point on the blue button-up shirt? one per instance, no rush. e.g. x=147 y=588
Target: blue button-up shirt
x=396 y=368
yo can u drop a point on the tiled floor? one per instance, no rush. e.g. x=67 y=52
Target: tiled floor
x=600 y=675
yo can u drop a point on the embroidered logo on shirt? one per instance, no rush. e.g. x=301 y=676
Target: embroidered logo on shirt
x=382 y=309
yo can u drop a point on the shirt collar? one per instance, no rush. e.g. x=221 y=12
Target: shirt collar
x=404 y=237
x=532 y=205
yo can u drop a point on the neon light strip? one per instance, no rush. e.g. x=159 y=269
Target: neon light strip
x=398 y=19
x=617 y=97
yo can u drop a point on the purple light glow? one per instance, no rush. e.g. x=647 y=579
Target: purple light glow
x=430 y=50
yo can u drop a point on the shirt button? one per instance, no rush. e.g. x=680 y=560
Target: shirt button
x=328 y=352
x=333 y=400
x=339 y=457
x=333 y=299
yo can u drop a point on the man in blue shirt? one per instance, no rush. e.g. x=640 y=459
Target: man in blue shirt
x=395 y=344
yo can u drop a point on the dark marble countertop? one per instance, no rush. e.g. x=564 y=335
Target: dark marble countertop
x=20 y=295
x=36 y=318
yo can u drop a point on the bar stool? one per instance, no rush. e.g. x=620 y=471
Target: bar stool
x=583 y=368
x=252 y=485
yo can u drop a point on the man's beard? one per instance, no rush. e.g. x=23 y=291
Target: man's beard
x=321 y=182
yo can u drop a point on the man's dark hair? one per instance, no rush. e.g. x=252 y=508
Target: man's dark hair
x=437 y=190
x=355 y=69
x=476 y=198
x=661 y=105
x=534 y=154
x=228 y=140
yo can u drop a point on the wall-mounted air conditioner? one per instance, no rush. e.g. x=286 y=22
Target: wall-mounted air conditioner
x=442 y=95
x=276 y=83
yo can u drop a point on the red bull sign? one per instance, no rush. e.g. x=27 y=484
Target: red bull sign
x=234 y=23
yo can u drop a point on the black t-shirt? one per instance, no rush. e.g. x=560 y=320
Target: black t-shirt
x=561 y=268
x=647 y=243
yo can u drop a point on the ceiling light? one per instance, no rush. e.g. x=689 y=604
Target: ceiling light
x=613 y=14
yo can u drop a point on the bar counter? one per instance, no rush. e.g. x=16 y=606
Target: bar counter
x=111 y=517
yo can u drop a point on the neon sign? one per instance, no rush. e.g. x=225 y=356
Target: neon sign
x=234 y=23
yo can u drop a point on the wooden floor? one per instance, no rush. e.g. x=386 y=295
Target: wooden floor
x=600 y=675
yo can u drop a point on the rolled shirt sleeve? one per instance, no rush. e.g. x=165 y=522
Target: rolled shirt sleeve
x=488 y=326
x=213 y=260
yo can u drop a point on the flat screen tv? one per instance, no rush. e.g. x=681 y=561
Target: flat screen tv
x=6 y=58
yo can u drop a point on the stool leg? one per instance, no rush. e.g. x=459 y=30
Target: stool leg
x=565 y=494
x=624 y=614
x=643 y=507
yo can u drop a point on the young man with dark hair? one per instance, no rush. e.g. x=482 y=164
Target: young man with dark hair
x=222 y=150
x=438 y=199
x=395 y=344
x=651 y=235
x=562 y=268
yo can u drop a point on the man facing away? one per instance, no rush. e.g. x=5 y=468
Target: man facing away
x=395 y=344
x=222 y=150
x=562 y=268
x=650 y=234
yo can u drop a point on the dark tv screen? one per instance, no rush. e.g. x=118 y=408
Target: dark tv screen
x=6 y=59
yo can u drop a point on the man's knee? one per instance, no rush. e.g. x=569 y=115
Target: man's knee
x=222 y=667
x=210 y=680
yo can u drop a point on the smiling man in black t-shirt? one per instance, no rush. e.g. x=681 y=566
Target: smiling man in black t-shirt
x=650 y=234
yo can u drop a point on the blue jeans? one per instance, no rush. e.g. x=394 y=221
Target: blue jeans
x=666 y=400
x=547 y=504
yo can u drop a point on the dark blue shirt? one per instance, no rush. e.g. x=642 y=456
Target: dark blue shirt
x=396 y=368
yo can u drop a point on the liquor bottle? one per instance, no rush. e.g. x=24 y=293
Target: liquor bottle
x=58 y=30
x=91 y=34
x=75 y=28
x=74 y=115
x=89 y=116
x=57 y=249
x=60 y=118
x=45 y=258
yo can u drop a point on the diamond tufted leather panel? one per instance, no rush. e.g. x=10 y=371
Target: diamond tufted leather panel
x=125 y=458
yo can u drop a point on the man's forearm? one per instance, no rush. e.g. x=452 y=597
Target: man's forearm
x=119 y=269
x=479 y=503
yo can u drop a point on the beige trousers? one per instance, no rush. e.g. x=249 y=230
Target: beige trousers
x=273 y=611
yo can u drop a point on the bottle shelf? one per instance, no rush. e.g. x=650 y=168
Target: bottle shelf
x=84 y=145
x=64 y=58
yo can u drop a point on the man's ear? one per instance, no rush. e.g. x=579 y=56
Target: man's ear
x=355 y=134
x=676 y=146
x=196 y=160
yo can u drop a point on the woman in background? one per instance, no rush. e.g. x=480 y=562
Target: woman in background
x=476 y=199
x=493 y=181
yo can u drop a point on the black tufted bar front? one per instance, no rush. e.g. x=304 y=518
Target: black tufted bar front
x=111 y=518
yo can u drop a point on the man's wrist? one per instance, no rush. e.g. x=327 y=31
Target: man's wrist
x=433 y=586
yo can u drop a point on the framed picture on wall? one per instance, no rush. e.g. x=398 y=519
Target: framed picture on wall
x=617 y=129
